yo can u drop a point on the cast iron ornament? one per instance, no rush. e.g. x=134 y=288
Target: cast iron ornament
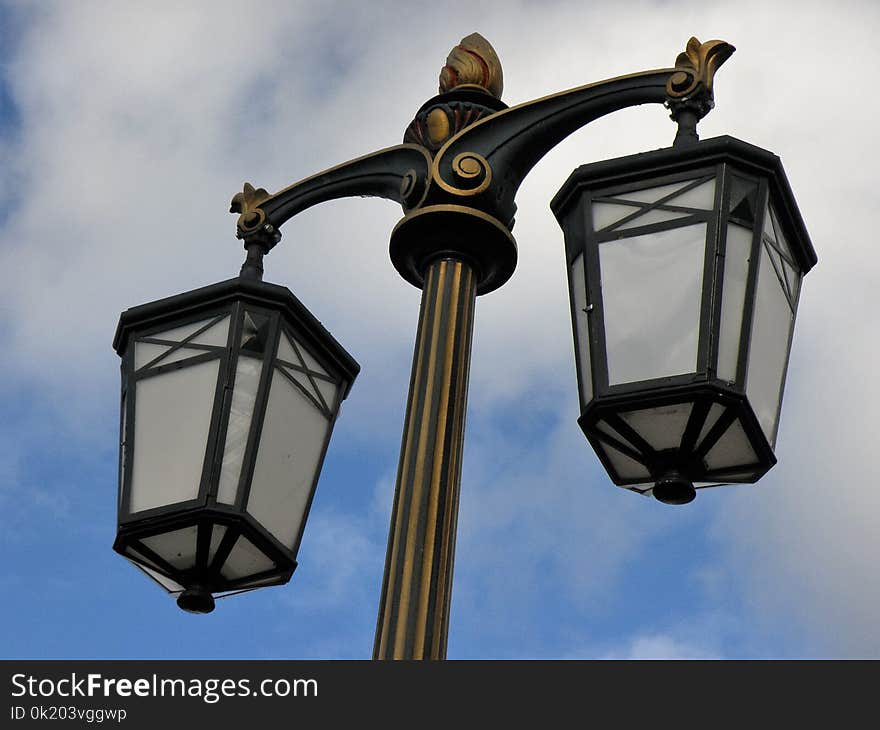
x=466 y=153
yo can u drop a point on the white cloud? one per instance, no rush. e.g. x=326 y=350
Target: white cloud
x=138 y=123
x=339 y=551
x=659 y=646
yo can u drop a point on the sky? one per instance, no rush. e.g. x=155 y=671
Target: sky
x=125 y=129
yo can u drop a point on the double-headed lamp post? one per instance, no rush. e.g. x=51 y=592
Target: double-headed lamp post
x=684 y=270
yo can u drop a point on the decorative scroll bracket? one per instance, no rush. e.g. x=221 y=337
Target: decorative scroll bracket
x=480 y=167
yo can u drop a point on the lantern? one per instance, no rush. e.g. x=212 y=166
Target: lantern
x=685 y=268
x=229 y=396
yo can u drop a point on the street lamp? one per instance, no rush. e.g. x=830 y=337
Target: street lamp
x=456 y=175
x=685 y=266
x=229 y=395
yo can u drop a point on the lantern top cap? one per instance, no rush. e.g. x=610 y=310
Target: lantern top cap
x=716 y=150
x=255 y=292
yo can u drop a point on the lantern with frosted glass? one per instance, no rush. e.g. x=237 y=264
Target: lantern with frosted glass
x=229 y=396
x=685 y=268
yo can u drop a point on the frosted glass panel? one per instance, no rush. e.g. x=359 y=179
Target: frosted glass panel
x=244 y=560
x=652 y=216
x=214 y=334
x=661 y=427
x=329 y=391
x=652 y=290
x=168 y=584
x=286 y=351
x=605 y=214
x=780 y=236
x=768 y=225
x=795 y=284
x=732 y=450
x=244 y=396
x=652 y=195
x=702 y=197
x=315 y=386
x=177 y=547
x=711 y=419
x=145 y=353
x=776 y=260
x=311 y=363
x=172 y=419
x=609 y=430
x=303 y=379
x=733 y=293
x=137 y=555
x=291 y=448
x=625 y=467
x=217 y=536
x=785 y=262
x=789 y=277
x=577 y=278
x=768 y=352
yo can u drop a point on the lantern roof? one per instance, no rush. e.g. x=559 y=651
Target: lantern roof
x=747 y=157
x=258 y=293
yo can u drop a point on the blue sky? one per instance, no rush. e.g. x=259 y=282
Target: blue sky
x=125 y=128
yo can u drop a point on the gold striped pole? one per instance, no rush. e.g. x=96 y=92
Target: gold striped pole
x=413 y=617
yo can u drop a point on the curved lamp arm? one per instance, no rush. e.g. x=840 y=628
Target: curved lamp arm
x=396 y=173
x=488 y=161
x=483 y=165
x=492 y=157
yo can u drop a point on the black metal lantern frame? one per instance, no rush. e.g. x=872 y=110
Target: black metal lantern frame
x=710 y=237
x=212 y=371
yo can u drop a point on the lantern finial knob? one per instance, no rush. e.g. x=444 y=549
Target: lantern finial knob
x=196 y=599
x=673 y=488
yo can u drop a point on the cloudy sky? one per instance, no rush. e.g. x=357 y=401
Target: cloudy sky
x=125 y=128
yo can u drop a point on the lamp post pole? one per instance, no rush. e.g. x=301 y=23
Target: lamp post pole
x=463 y=159
x=416 y=589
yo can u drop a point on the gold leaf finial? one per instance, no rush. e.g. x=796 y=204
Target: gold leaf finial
x=247 y=204
x=248 y=200
x=473 y=62
x=699 y=62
